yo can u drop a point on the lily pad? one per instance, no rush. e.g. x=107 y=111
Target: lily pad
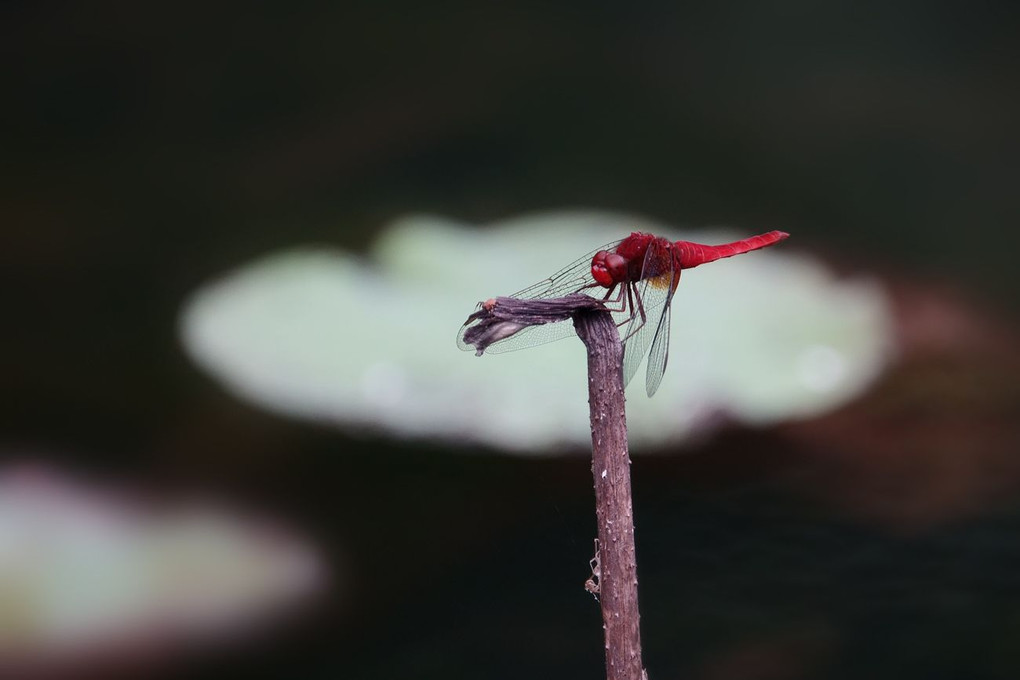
x=90 y=572
x=325 y=335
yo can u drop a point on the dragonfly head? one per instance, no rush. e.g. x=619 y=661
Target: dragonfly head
x=608 y=269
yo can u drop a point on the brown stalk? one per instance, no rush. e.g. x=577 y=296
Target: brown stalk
x=615 y=565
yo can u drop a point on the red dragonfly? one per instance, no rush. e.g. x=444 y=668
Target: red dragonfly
x=639 y=275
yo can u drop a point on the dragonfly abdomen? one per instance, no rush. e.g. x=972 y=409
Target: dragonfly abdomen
x=693 y=254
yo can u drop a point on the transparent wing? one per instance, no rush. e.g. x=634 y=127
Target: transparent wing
x=574 y=278
x=530 y=336
x=639 y=333
x=651 y=295
x=659 y=353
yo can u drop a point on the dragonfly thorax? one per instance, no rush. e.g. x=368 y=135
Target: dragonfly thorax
x=608 y=269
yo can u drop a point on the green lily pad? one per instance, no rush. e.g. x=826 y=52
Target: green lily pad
x=328 y=336
x=87 y=571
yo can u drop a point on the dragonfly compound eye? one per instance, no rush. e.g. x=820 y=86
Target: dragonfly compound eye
x=608 y=269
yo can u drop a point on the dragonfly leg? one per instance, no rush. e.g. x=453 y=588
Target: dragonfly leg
x=640 y=309
x=630 y=303
x=616 y=300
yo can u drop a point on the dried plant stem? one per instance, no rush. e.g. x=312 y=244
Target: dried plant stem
x=614 y=569
x=618 y=585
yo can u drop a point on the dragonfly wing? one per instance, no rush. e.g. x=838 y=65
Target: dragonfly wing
x=574 y=278
x=527 y=336
x=637 y=335
x=659 y=353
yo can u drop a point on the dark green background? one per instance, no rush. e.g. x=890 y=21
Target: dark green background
x=150 y=146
